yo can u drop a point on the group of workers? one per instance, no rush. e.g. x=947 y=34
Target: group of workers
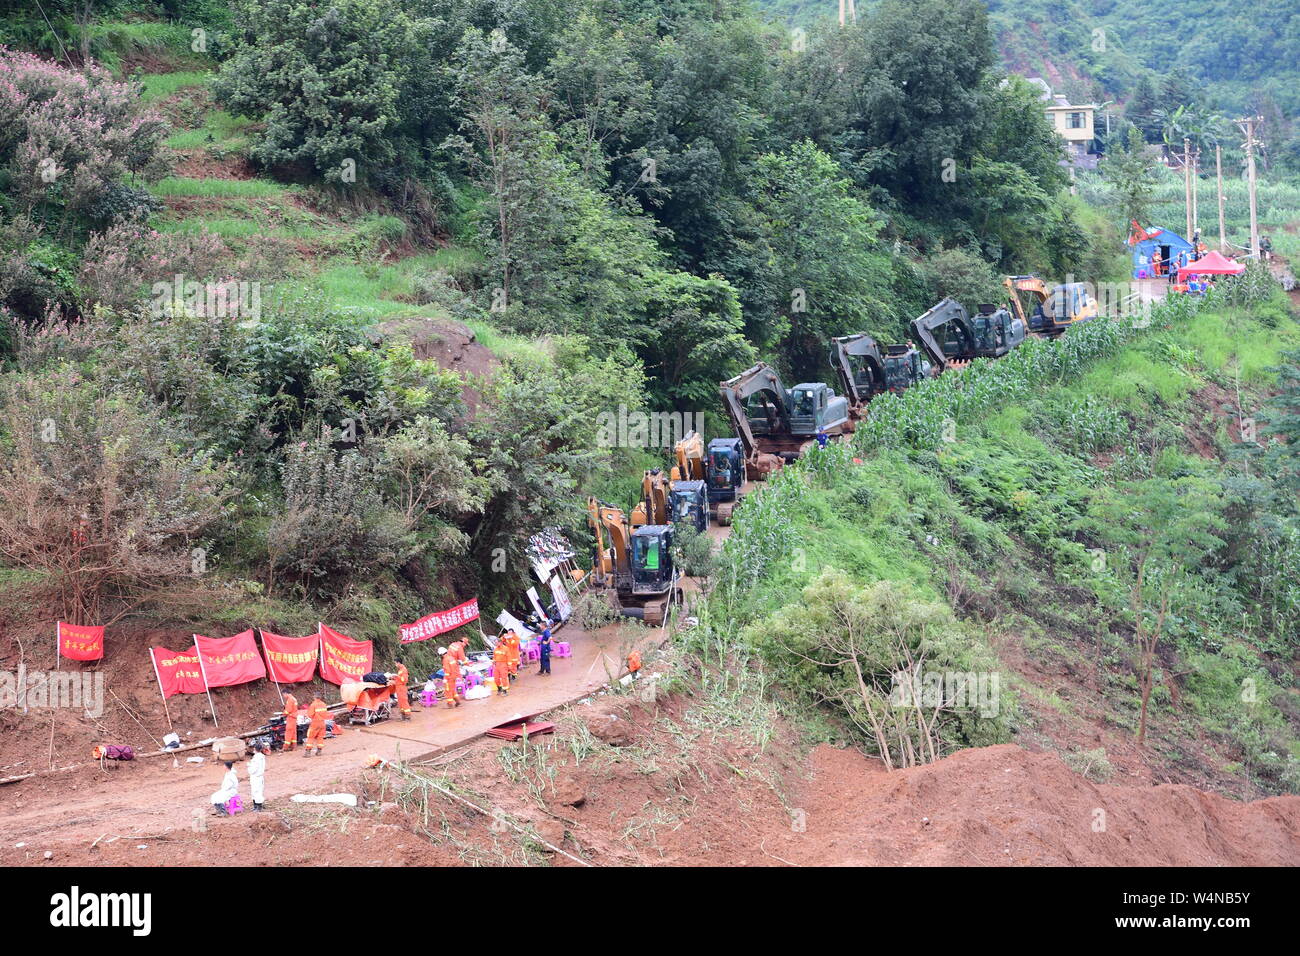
x=506 y=655
x=317 y=713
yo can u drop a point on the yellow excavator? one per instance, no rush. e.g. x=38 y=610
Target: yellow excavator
x=635 y=564
x=1048 y=312
x=707 y=484
x=653 y=506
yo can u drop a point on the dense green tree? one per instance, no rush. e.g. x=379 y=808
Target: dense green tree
x=825 y=250
x=1131 y=173
x=920 y=100
x=327 y=80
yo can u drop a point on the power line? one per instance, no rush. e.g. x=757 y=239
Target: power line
x=54 y=33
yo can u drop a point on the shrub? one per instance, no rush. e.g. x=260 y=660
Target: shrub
x=334 y=521
x=593 y=610
x=122 y=263
x=326 y=78
x=99 y=491
x=71 y=138
x=903 y=672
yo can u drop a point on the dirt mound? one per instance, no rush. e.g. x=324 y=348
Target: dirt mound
x=299 y=836
x=454 y=346
x=1006 y=806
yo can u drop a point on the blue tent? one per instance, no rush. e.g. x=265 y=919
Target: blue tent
x=1160 y=243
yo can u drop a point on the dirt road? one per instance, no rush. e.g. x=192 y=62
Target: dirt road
x=150 y=796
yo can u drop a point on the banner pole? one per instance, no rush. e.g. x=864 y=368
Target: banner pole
x=203 y=670
x=269 y=666
x=58 y=645
x=158 y=677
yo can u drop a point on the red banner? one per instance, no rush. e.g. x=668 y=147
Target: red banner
x=177 y=671
x=290 y=660
x=439 y=622
x=230 y=660
x=78 y=643
x=341 y=658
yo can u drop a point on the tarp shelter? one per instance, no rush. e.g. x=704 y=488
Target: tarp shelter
x=1211 y=264
x=1155 y=242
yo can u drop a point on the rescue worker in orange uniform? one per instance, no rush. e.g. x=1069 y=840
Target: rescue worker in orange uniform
x=316 y=713
x=403 y=678
x=290 y=722
x=501 y=667
x=634 y=663
x=512 y=648
x=458 y=648
x=450 y=674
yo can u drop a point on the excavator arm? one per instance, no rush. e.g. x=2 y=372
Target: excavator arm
x=862 y=347
x=761 y=378
x=606 y=520
x=688 y=454
x=952 y=313
x=653 y=507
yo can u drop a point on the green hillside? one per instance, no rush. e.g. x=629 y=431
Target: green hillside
x=1242 y=54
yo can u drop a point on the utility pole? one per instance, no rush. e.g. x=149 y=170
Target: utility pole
x=851 y=10
x=1218 y=176
x=1248 y=127
x=1196 y=190
x=1187 y=185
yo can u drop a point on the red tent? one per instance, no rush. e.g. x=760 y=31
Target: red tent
x=1211 y=264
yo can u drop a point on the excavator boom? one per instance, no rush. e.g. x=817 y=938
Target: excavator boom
x=866 y=379
x=952 y=314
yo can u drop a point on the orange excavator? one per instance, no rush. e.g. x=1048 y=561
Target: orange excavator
x=635 y=564
x=653 y=506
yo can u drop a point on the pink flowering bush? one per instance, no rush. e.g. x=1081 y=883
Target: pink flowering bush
x=121 y=264
x=70 y=141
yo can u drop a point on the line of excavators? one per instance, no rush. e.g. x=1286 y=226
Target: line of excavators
x=774 y=425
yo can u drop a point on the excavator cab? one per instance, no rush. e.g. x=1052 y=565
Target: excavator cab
x=996 y=331
x=1070 y=303
x=813 y=406
x=652 y=559
x=904 y=367
x=688 y=503
x=725 y=468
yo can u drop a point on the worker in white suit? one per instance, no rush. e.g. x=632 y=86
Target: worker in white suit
x=229 y=788
x=257 y=775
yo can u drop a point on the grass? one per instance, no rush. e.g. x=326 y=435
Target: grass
x=241 y=228
x=220 y=131
x=159 y=86
x=111 y=41
x=220 y=188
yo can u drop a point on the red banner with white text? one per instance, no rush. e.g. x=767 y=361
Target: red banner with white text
x=178 y=671
x=230 y=660
x=79 y=643
x=290 y=660
x=439 y=622
x=341 y=658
